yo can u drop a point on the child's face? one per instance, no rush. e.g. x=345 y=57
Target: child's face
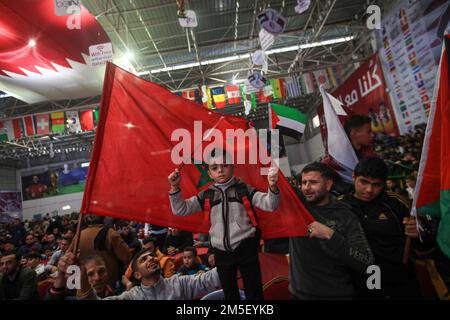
x=188 y=259
x=220 y=172
x=212 y=261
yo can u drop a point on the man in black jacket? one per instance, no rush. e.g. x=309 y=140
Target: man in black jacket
x=385 y=219
x=323 y=263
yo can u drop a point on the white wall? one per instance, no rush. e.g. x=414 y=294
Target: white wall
x=51 y=204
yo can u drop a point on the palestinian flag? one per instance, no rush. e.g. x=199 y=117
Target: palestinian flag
x=290 y=121
x=432 y=193
x=58 y=124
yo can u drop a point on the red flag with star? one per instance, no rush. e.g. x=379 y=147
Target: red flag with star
x=132 y=158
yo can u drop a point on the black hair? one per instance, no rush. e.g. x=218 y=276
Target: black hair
x=32 y=255
x=94 y=257
x=67 y=238
x=147 y=240
x=16 y=254
x=356 y=121
x=136 y=257
x=371 y=167
x=191 y=249
x=324 y=170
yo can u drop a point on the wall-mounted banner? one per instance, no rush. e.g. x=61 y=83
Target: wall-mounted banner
x=410 y=53
x=364 y=93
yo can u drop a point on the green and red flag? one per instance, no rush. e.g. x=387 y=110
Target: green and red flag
x=432 y=194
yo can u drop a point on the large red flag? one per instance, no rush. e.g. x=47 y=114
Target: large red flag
x=131 y=159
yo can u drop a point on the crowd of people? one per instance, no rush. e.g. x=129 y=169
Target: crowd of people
x=357 y=225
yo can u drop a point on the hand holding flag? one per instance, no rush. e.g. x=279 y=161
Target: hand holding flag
x=174 y=180
x=272 y=177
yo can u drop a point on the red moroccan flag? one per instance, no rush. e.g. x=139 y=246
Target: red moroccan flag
x=131 y=159
x=87 y=120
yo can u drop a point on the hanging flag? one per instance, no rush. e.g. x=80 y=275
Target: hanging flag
x=73 y=121
x=331 y=77
x=292 y=86
x=198 y=95
x=189 y=94
x=307 y=83
x=322 y=78
x=218 y=97
x=42 y=124
x=233 y=95
x=340 y=149
x=432 y=192
x=290 y=121
x=30 y=128
x=87 y=120
x=206 y=97
x=266 y=94
x=17 y=129
x=3 y=132
x=155 y=112
x=96 y=115
x=58 y=124
x=278 y=88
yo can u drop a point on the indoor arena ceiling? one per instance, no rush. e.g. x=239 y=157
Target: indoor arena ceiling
x=215 y=52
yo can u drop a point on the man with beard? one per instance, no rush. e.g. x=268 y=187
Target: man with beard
x=16 y=282
x=152 y=286
x=322 y=264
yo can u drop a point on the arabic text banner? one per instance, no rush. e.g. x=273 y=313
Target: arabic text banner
x=364 y=93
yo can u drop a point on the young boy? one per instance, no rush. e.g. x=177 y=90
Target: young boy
x=190 y=265
x=233 y=234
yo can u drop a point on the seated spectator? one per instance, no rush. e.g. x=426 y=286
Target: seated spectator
x=152 y=286
x=31 y=245
x=176 y=241
x=190 y=265
x=16 y=282
x=211 y=258
x=52 y=264
x=410 y=186
x=7 y=247
x=130 y=238
x=50 y=242
x=391 y=186
x=34 y=262
x=203 y=241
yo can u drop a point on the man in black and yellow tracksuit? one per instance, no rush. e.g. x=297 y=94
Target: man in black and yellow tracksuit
x=386 y=221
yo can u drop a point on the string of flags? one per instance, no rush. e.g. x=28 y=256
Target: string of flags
x=47 y=123
x=291 y=86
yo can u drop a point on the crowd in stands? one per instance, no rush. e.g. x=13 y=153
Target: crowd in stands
x=38 y=246
x=133 y=260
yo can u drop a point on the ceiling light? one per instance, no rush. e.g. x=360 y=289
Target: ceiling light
x=247 y=55
x=32 y=43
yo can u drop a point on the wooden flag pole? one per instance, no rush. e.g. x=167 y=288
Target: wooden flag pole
x=78 y=235
x=407 y=250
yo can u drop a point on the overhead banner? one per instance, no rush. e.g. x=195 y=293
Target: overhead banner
x=364 y=93
x=410 y=52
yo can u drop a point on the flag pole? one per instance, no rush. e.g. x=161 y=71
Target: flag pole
x=78 y=234
x=206 y=137
x=407 y=250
